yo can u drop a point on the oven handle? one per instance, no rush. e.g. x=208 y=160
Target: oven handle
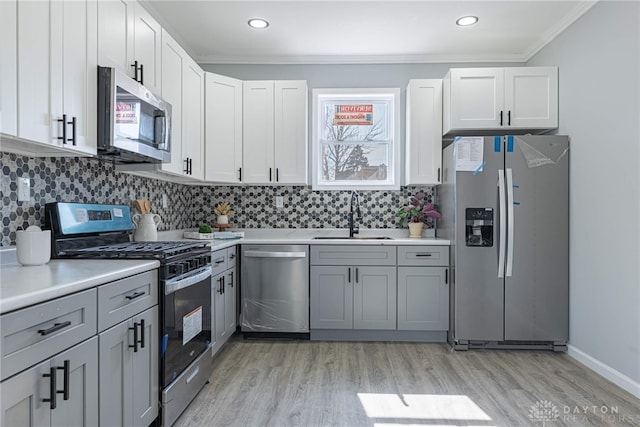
x=182 y=282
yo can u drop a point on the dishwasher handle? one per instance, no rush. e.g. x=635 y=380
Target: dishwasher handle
x=274 y=254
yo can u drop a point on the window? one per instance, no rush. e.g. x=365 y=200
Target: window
x=356 y=139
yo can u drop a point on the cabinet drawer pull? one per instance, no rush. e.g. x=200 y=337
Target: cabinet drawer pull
x=136 y=295
x=500 y=117
x=240 y=174
x=349 y=279
x=277 y=174
x=52 y=388
x=269 y=174
x=509 y=118
x=142 y=74
x=357 y=280
x=231 y=279
x=56 y=327
x=219 y=261
x=424 y=255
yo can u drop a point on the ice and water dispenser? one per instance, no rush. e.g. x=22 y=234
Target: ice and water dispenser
x=479 y=226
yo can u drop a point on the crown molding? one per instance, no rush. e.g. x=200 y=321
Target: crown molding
x=580 y=9
x=366 y=59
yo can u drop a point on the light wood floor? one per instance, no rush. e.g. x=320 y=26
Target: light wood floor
x=303 y=383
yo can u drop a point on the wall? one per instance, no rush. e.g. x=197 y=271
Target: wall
x=599 y=63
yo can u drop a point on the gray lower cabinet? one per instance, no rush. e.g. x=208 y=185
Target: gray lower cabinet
x=423 y=288
x=423 y=299
x=129 y=331
x=352 y=287
x=224 y=288
x=70 y=377
x=129 y=371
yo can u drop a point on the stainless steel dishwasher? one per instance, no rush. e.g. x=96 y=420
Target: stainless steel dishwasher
x=275 y=289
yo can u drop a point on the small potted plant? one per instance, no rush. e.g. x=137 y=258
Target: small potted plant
x=418 y=213
x=223 y=211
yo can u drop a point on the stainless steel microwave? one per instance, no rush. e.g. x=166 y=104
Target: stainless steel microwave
x=134 y=125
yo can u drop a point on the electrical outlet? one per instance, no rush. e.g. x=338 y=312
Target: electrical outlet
x=279 y=202
x=24 y=189
x=164 y=201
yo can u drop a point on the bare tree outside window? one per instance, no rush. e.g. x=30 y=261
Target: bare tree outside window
x=349 y=152
x=356 y=139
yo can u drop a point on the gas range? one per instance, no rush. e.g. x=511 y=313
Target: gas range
x=96 y=231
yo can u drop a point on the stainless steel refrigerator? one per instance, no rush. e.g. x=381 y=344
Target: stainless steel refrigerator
x=505 y=207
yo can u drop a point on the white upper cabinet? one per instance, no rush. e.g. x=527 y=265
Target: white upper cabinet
x=290 y=129
x=129 y=39
x=424 y=132
x=193 y=119
x=503 y=99
x=223 y=129
x=257 y=132
x=274 y=132
x=73 y=73
x=531 y=97
x=8 y=74
x=115 y=34
x=50 y=103
x=172 y=66
x=183 y=88
x=146 y=49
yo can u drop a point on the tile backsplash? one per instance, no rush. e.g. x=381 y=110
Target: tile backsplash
x=93 y=181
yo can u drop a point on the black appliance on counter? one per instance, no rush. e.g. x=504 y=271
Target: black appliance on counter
x=81 y=230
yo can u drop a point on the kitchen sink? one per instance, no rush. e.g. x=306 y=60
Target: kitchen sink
x=353 y=238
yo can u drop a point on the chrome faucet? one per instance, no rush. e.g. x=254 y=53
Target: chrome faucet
x=353 y=228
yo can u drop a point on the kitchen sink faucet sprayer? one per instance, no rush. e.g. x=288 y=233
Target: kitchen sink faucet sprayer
x=353 y=228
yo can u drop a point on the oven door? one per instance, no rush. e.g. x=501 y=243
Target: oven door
x=186 y=329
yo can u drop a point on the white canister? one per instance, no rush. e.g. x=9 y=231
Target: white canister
x=146 y=227
x=33 y=246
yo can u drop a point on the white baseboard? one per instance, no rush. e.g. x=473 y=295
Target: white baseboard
x=606 y=371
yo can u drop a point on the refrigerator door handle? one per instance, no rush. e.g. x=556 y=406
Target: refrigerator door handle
x=503 y=225
x=510 y=223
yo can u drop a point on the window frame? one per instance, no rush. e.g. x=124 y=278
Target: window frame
x=392 y=95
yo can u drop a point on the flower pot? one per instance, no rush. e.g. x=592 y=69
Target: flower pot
x=415 y=229
x=222 y=219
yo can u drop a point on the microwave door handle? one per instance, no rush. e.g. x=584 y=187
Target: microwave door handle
x=160 y=123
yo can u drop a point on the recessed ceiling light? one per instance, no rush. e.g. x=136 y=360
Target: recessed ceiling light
x=258 y=23
x=466 y=20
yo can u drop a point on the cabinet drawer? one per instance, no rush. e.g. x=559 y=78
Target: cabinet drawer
x=36 y=333
x=423 y=255
x=122 y=299
x=219 y=261
x=353 y=255
x=231 y=256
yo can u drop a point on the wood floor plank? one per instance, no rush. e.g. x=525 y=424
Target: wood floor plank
x=371 y=384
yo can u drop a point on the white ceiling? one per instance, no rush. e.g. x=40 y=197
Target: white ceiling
x=392 y=31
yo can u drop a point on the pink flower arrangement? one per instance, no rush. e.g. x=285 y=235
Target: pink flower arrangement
x=418 y=210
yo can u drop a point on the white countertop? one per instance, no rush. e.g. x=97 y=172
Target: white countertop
x=296 y=236
x=24 y=286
